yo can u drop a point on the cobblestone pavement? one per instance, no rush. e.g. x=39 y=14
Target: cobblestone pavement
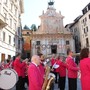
x=66 y=88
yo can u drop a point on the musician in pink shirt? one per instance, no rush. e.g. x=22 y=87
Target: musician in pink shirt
x=18 y=65
x=54 y=60
x=62 y=73
x=34 y=74
x=72 y=71
x=85 y=68
x=41 y=66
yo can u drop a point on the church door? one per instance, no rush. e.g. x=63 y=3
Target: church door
x=53 y=49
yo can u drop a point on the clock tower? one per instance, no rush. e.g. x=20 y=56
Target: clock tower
x=51 y=36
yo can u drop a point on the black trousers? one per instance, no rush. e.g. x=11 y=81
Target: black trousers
x=26 y=80
x=56 y=74
x=72 y=82
x=61 y=83
x=19 y=84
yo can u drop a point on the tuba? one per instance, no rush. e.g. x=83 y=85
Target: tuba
x=49 y=78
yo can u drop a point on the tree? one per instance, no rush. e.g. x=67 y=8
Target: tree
x=33 y=27
x=26 y=27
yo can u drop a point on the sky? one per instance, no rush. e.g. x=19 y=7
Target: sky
x=70 y=9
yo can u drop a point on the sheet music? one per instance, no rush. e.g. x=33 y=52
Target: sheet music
x=55 y=66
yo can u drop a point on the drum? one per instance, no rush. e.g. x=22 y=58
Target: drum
x=8 y=78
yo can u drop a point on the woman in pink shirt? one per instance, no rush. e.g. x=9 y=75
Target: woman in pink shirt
x=85 y=68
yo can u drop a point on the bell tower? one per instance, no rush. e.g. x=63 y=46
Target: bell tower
x=50 y=4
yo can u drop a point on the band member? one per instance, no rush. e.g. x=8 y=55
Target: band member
x=85 y=68
x=18 y=65
x=72 y=71
x=34 y=74
x=41 y=66
x=53 y=61
x=26 y=72
x=62 y=73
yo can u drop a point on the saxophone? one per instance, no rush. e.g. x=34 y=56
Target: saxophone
x=49 y=78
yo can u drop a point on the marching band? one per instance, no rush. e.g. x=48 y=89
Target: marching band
x=40 y=75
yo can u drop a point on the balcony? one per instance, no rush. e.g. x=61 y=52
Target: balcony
x=2 y=21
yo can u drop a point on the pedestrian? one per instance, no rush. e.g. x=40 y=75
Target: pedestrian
x=72 y=71
x=85 y=68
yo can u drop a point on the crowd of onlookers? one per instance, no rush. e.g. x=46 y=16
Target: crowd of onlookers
x=33 y=71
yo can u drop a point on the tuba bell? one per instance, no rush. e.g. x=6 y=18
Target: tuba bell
x=49 y=79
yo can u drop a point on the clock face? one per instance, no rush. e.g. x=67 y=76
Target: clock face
x=51 y=13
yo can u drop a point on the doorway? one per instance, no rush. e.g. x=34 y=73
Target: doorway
x=53 y=49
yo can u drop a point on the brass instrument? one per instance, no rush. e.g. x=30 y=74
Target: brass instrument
x=49 y=78
x=50 y=81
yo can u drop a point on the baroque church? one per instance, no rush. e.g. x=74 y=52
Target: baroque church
x=51 y=37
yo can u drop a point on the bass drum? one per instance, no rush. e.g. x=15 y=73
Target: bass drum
x=8 y=79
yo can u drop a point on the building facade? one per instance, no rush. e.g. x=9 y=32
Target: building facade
x=10 y=27
x=74 y=28
x=51 y=37
x=26 y=34
x=85 y=27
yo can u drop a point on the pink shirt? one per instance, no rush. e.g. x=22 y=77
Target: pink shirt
x=35 y=77
x=72 y=67
x=62 y=69
x=85 y=73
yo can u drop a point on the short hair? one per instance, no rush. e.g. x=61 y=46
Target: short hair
x=34 y=57
x=18 y=54
x=84 y=53
x=40 y=54
x=68 y=51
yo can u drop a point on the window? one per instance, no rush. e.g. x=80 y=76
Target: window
x=14 y=41
x=87 y=28
x=3 y=36
x=11 y=6
x=5 y=15
x=18 y=44
x=84 y=30
x=9 y=39
x=85 y=19
x=10 y=22
x=37 y=42
x=15 y=26
x=89 y=16
x=5 y=2
x=87 y=42
x=27 y=32
x=75 y=30
x=67 y=42
x=15 y=11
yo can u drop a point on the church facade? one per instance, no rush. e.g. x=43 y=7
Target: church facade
x=51 y=37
